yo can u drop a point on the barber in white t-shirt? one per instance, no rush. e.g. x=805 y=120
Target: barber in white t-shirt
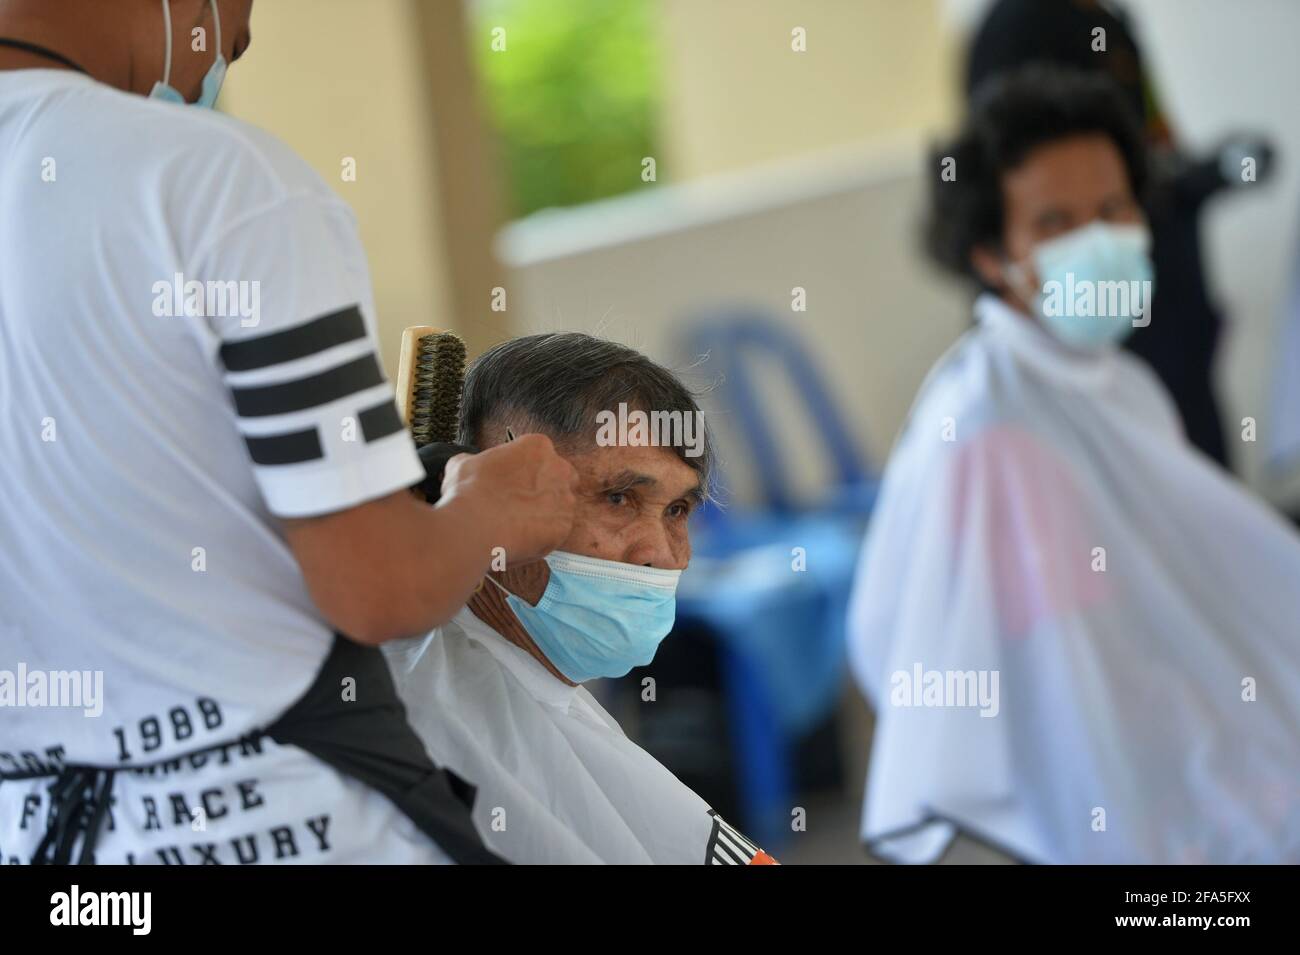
x=205 y=476
x=497 y=693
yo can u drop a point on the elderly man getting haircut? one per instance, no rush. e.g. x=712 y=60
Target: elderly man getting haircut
x=496 y=694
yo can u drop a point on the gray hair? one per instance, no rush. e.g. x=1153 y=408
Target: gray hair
x=557 y=383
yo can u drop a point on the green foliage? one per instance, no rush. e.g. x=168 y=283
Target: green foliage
x=573 y=97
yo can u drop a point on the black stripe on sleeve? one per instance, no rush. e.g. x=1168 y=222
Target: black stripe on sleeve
x=291 y=447
x=336 y=328
x=380 y=421
x=319 y=389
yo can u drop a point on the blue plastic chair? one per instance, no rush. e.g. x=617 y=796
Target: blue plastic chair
x=780 y=634
x=730 y=339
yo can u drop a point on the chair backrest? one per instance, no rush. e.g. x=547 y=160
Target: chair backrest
x=733 y=339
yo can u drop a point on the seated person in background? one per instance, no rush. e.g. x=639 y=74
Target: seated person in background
x=1079 y=637
x=496 y=695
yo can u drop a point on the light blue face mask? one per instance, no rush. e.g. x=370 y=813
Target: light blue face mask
x=599 y=618
x=212 y=80
x=1110 y=261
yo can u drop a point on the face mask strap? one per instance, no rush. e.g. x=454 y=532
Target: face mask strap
x=167 y=38
x=216 y=19
x=167 y=30
x=492 y=580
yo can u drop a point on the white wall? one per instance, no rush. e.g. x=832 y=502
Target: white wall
x=842 y=225
x=736 y=94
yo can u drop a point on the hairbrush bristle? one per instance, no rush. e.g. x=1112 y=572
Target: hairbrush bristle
x=439 y=380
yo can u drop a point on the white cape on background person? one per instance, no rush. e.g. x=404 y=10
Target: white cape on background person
x=1147 y=712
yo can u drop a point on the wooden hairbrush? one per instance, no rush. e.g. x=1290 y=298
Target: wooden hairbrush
x=430 y=376
x=430 y=379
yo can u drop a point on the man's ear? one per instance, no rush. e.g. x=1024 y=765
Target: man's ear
x=988 y=264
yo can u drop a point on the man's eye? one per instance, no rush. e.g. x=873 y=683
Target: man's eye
x=617 y=498
x=678 y=511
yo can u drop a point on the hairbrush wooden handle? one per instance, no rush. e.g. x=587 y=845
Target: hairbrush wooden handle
x=411 y=336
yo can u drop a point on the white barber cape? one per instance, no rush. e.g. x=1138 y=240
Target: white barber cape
x=558 y=781
x=1081 y=639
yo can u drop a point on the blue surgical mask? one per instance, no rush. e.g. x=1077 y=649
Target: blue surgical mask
x=1112 y=262
x=212 y=81
x=599 y=618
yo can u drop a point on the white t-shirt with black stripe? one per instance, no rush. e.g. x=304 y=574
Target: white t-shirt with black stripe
x=187 y=352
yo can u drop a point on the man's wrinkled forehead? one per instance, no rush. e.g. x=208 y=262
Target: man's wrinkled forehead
x=657 y=472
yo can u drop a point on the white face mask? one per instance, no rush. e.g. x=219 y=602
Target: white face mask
x=1096 y=284
x=212 y=80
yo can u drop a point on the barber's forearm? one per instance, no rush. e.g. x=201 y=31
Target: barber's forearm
x=394 y=567
x=444 y=552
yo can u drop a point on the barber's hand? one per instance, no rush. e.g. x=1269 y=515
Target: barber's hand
x=523 y=492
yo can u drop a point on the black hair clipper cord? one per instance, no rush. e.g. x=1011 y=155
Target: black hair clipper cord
x=431 y=377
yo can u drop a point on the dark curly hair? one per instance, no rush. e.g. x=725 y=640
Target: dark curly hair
x=1011 y=115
